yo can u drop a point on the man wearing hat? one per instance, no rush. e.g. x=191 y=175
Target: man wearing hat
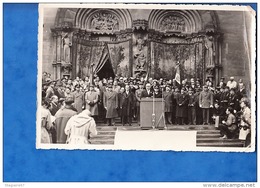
x=78 y=98
x=58 y=90
x=110 y=100
x=91 y=99
x=50 y=90
x=157 y=92
x=62 y=117
x=217 y=94
x=205 y=103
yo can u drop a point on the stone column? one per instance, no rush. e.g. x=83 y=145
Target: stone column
x=130 y=73
x=59 y=54
x=54 y=64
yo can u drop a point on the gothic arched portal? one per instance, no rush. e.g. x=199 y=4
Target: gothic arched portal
x=97 y=38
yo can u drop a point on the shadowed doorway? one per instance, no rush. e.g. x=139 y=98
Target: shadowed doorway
x=106 y=71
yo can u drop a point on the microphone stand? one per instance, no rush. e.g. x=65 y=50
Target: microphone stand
x=153 y=114
x=162 y=116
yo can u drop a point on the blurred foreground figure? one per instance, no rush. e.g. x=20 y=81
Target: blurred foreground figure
x=80 y=128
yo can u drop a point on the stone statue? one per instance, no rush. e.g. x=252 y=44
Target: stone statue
x=140 y=61
x=210 y=46
x=140 y=43
x=66 y=48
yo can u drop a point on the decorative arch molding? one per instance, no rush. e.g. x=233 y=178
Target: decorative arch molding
x=65 y=16
x=186 y=21
x=103 y=20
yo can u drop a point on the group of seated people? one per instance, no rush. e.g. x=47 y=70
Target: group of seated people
x=184 y=103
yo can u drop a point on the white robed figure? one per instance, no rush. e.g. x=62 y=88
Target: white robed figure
x=80 y=128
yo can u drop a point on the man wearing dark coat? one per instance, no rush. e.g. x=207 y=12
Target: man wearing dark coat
x=62 y=117
x=167 y=96
x=192 y=107
x=224 y=97
x=147 y=92
x=120 y=102
x=182 y=107
x=157 y=93
x=175 y=94
x=54 y=105
x=233 y=100
x=50 y=91
x=218 y=114
x=110 y=100
x=128 y=101
x=241 y=92
x=198 y=109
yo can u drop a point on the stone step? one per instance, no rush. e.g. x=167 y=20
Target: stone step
x=216 y=140
x=225 y=144
x=102 y=142
x=106 y=128
x=106 y=133
x=208 y=135
x=208 y=131
x=103 y=137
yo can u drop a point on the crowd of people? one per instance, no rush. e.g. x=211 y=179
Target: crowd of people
x=102 y=100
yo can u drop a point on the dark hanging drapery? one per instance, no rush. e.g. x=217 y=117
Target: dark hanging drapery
x=92 y=56
x=165 y=57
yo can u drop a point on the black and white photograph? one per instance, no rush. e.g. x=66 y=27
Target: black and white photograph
x=146 y=77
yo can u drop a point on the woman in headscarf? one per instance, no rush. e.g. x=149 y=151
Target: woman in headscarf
x=80 y=128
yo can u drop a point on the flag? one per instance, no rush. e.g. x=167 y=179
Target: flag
x=178 y=75
x=146 y=78
x=245 y=36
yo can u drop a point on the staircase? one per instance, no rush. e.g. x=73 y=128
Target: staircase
x=207 y=135
x=211 y=138
x=105 y=136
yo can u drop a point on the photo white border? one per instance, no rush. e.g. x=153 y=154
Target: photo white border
x=146 y=6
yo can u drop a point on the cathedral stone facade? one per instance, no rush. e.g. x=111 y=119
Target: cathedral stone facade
x=80 y=42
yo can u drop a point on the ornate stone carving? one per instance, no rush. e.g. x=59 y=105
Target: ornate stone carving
x=66 y=67
x=124 y=36
x=140 y=24
x=210 y=72
x=66 y=25
x=155 y=36
x=104 y=21
x=173 y=23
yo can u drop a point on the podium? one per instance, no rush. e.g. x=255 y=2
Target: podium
x=146 y=111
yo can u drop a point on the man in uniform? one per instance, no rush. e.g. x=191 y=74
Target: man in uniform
x=206 y=102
